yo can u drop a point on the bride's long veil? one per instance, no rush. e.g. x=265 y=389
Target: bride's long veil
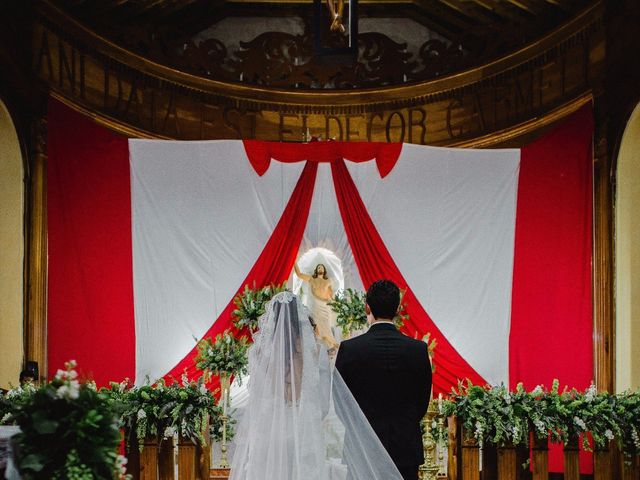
x=300 y=410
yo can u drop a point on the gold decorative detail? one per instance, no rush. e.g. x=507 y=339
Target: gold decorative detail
x=336 y=9
x=430 y=469
x=441 y=428
x=225 y=387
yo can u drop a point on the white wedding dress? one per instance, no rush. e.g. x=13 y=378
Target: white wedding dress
x=299 y=408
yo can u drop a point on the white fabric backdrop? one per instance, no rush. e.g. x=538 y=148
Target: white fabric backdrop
x=201 y=216
x=447 y=217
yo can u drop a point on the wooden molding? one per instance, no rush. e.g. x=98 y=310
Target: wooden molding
x=484 y=104
x=36 y=318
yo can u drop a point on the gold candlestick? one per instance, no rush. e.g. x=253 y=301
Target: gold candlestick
x=441 y=474
x=430 y=469
x=225 y=386
x=224 y=462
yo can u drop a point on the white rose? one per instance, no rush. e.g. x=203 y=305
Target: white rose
x=580 y=423
x=63 y=391
x=74 y=389
x=591 y=393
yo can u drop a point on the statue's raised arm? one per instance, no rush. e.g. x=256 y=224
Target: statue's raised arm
x=303 y=276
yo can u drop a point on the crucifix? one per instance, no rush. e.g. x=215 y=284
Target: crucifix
x=336 y=9
x=336 y=29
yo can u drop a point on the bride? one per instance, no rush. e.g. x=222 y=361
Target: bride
x=299 y=409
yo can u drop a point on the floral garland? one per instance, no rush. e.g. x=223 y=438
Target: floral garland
x=498 y=416
x=225 y=355
x=250 y=305
x=162 y=411
x=68 y=431
x=626 y=411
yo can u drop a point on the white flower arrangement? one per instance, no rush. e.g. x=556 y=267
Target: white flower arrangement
x=580 y=423
x=590 y=394
x=224 y=355
x=82 y=421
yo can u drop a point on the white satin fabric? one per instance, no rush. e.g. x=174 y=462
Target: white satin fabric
x=298 y=409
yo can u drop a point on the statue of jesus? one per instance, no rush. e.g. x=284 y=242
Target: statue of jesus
x=321 y=293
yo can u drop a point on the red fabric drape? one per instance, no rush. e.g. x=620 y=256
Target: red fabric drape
x=260 y=153
x=90 y=277
x=374 y=262
x=551 y=314
x=275 y=261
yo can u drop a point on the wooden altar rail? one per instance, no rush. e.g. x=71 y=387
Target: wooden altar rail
x=506 y=463
x=191 y=462
x=166 y=461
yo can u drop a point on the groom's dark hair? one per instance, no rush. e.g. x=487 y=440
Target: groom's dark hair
x=383 y=298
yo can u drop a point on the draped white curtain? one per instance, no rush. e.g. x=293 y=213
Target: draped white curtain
x=201 y=216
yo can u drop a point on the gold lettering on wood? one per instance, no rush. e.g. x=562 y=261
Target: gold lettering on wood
x=171 y=115
x=145 y=101
x=44 y=56
x=389 y=127
x=420 y=123
x=352 y=134
x=328 y=131
x=66 y=67
x=282 y=131
x=206 y=120
x=454 y=131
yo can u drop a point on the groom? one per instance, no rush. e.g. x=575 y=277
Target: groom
x=389 y=374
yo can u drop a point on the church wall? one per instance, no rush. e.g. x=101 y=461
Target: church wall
x=11 y=251
x=628 y=258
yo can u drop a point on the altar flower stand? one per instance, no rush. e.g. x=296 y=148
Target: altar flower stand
x=169 y=460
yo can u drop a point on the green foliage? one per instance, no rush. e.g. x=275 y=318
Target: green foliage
x=626 y=412
x=349 y=307
x=161 y=411
x=225 y=355
x=498 y=416
x=68 y=431
x=217 y=424
x=351 y=316
x=13 y=400
x=250 y=305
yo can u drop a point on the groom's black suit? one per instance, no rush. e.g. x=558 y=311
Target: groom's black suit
x=389 y=374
